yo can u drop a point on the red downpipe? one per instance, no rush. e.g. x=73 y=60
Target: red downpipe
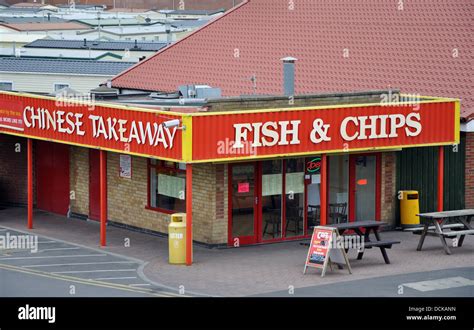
x=189 y=214
x=324 y=188
x=30 y=182
x=440 y=178
x=103 y=197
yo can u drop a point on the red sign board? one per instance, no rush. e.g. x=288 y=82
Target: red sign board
x=319 y=247
x=132 y=131
x=262 y=134
x=11 y=116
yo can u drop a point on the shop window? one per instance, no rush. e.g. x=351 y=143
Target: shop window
x=272 y=190
x=6 y=86
x=295 y=202
x=59 y=86
x=313 y=178
x=338 y=189
x=167 y=186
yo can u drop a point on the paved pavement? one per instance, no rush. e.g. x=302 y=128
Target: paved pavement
x=244 y=271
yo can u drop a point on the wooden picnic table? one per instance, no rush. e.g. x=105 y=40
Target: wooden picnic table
x=438 y=223
x=363 y=229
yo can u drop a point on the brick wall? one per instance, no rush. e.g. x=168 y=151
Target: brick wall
x=127 y=198
x=210 y=203
x=389 y=194
x=13 y=170
x=470 y=170
x=79 y=180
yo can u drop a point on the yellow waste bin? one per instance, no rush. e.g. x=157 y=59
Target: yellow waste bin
x=409 y=208
x=177 y=239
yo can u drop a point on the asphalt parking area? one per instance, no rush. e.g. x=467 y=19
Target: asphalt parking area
x=67 y=260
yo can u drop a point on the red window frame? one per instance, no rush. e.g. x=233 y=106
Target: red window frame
x=159 y=166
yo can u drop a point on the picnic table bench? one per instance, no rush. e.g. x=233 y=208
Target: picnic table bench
x=363 y=229
x=438 y=223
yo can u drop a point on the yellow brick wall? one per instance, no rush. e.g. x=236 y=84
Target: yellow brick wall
x=79 y=180
x=210 y=203
x=127 y=198
x=220 y=225
x=389 y=194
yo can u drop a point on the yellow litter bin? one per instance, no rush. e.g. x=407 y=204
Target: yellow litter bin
x=177 y=239
x=409 y=208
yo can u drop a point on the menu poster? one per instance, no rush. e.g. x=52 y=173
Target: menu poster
x=322 y=252
x=126 y=166
x=272 y=184
x=295 y=183
x=171 y=186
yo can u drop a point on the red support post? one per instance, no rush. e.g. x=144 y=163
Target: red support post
x=324 y=189
x=103 y=197
x=440 y=178
x=30 y=182
x=189 y=214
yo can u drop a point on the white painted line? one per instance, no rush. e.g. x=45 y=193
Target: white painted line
x=440 y=284
x=144 y=284
x=51 y=257
x=95 y=271
x=81 y=264
x=60 y=249
x=113 y=278
x=48 y=242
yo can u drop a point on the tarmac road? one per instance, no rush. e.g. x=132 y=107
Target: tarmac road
x=63 y=269
x=17 y=282
x=455 y=282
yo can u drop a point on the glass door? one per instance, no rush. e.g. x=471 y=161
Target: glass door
x=244 y=201
x=364 y=187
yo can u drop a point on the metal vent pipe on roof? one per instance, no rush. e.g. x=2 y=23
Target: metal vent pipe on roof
x=289 y=75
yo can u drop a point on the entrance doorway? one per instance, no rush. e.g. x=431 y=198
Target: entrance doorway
x=267 y=201
x=364 y=188
x=52 y=177
x=94 y=184
x=243 y=203
x=354 y=188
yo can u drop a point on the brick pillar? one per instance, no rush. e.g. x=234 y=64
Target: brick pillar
x=388 y=198
x=470 y=170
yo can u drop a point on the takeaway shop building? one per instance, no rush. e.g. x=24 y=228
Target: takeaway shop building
x=245 y=170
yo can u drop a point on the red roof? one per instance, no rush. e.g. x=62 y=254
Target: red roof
x=424 y=48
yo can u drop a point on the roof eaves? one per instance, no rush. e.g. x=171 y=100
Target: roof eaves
x=185 y=38
x=7 y=25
